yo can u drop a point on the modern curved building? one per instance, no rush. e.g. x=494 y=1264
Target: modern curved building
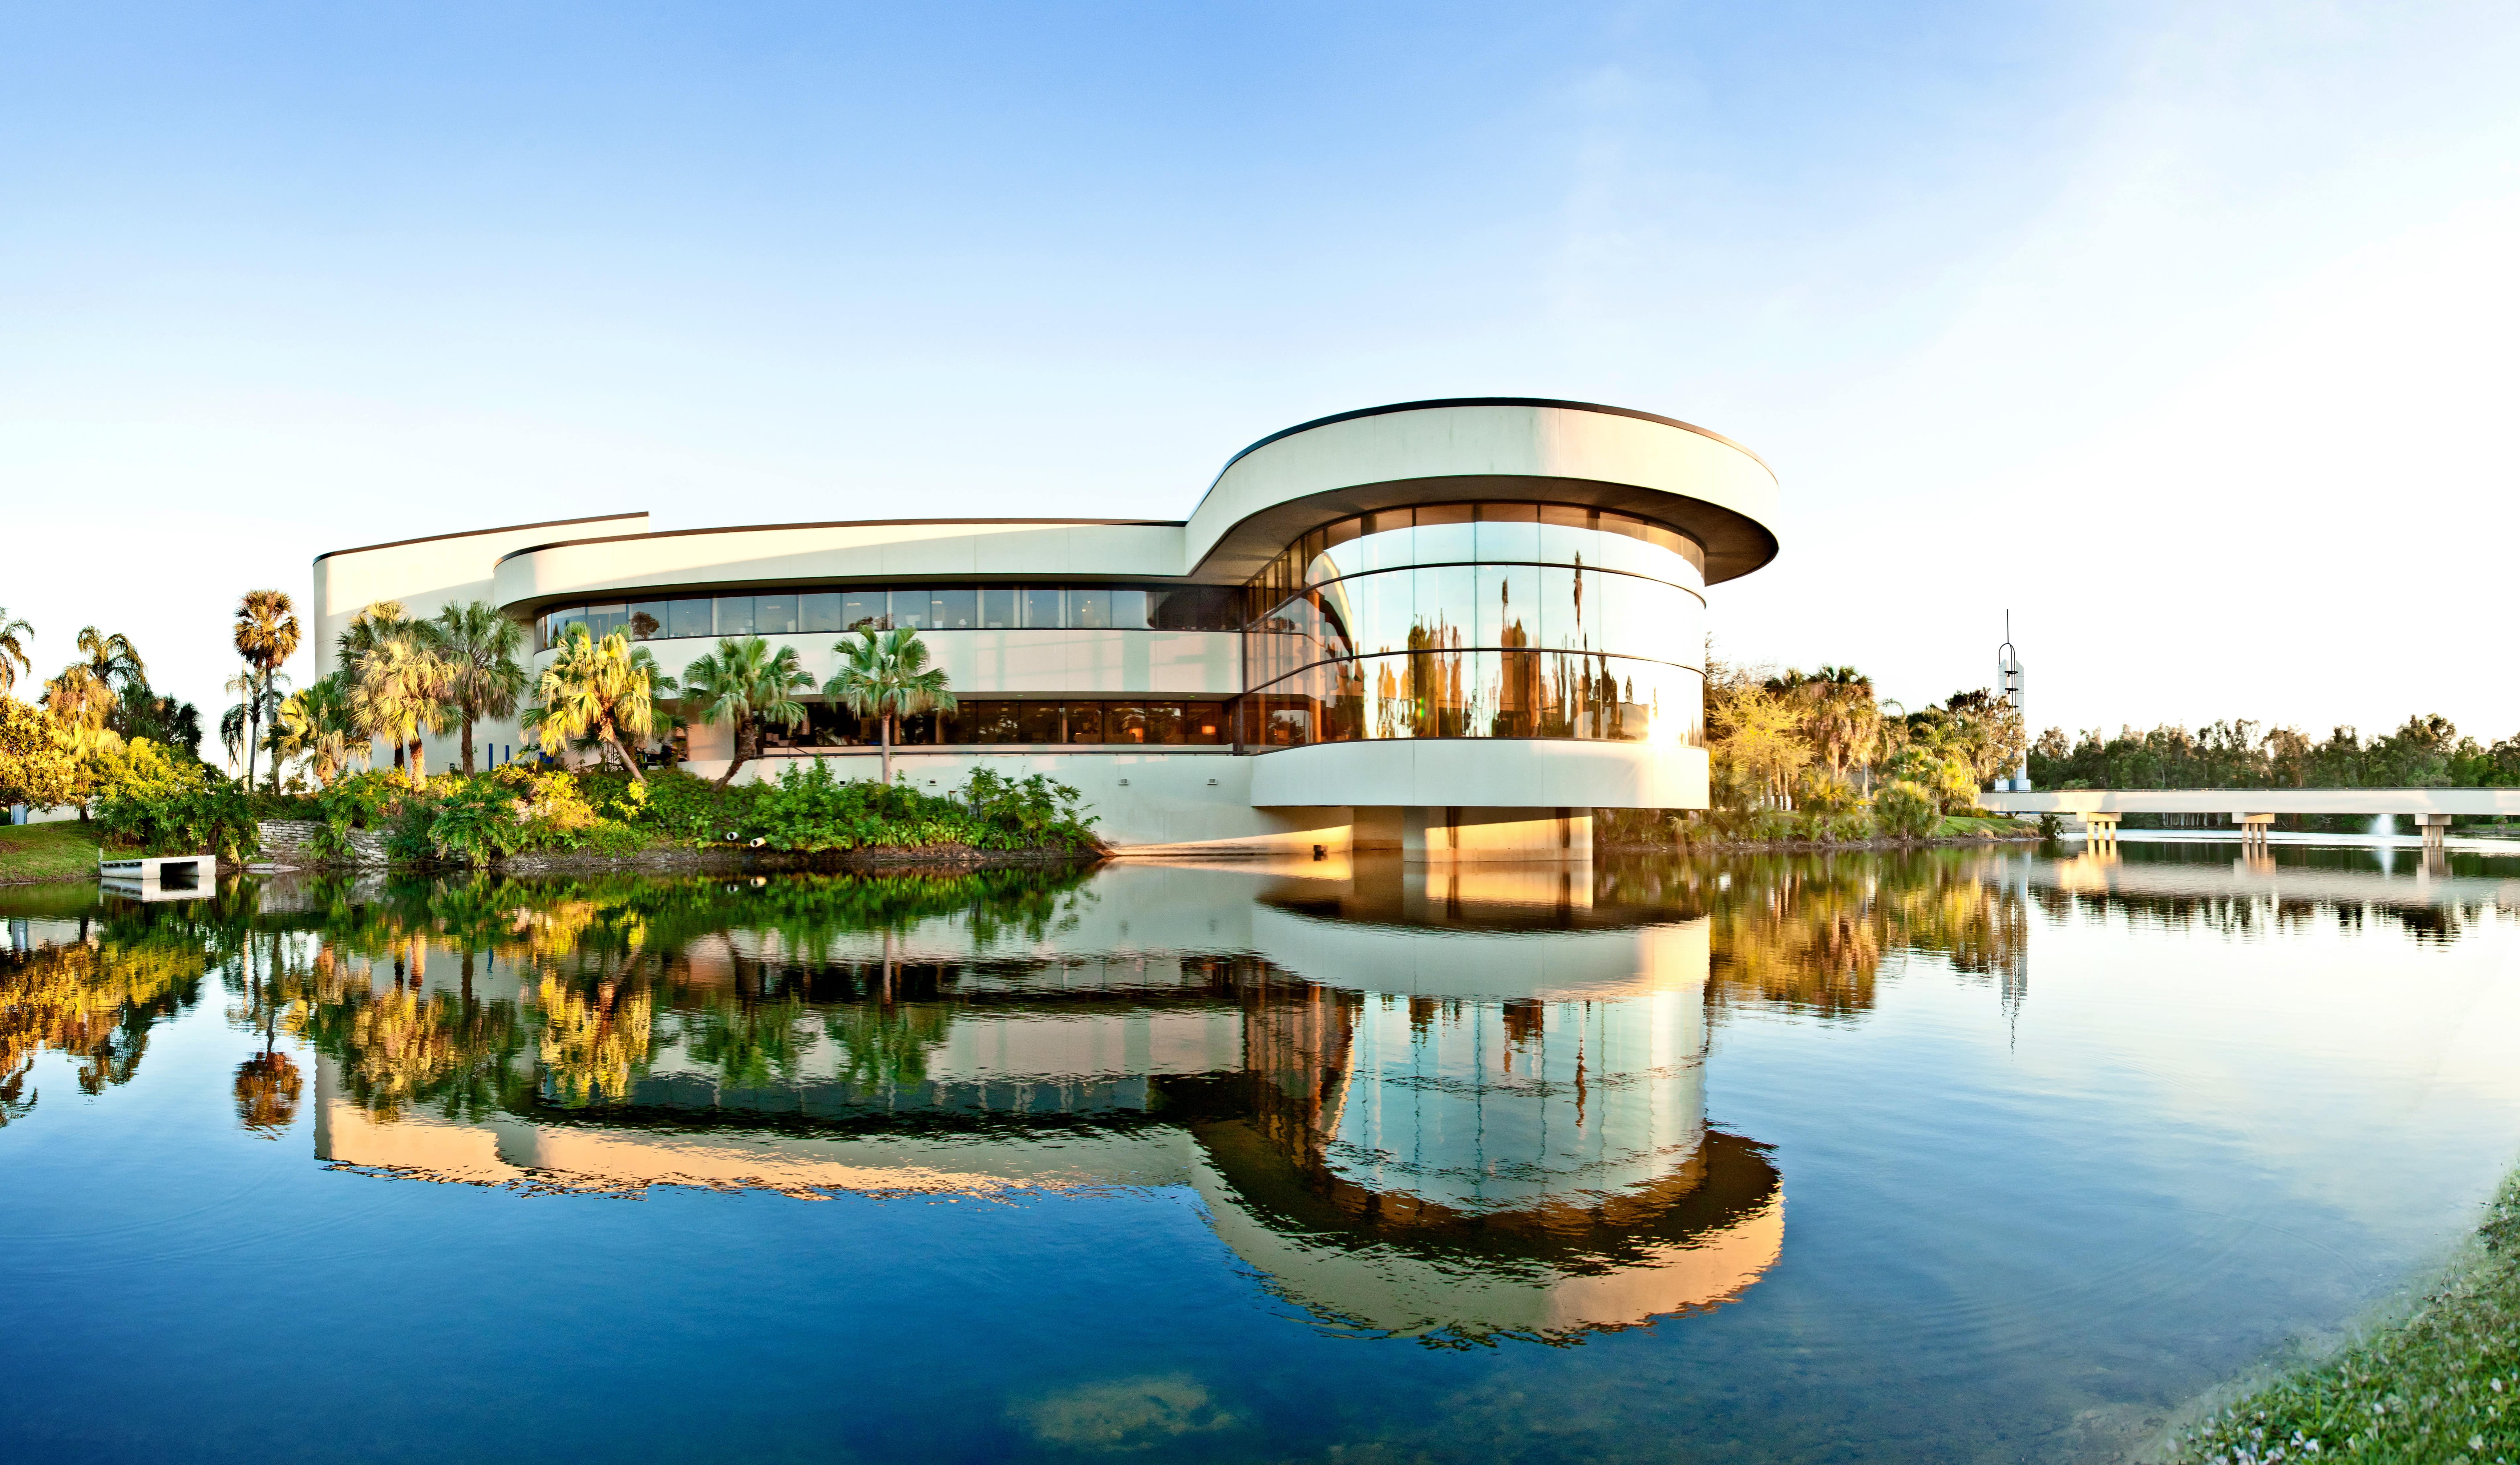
x=1449 y=628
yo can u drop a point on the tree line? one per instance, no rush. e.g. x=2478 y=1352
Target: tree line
x=2424 y=752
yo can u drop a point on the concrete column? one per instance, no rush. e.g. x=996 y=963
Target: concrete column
x=2102 y=831
x=1430 y=835
x=2435 y=828
x=1375 y=828
x=2253 y=829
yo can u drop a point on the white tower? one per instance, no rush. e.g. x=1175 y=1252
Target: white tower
x=2008 y=679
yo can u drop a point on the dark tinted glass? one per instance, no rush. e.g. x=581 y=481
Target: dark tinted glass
x=1196 y=608
x=1085 y=722
x=648 y=620
x=912 y=608
x=1164 y=722
x=1037 y=722
x=1089 y=608
x=774 y=615
x=734 y=616
x=955 y=610
x=861 y=609
x=998 y=608
x=1204 y=722
x=1044 y=607
x=819 y=612
x=689 y=617
x=1124 y=723
x=992 y=722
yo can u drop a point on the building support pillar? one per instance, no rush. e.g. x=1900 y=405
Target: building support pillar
x=2100 y=831
x=2253 y=830
x=1440 y=836
x=2436 y=827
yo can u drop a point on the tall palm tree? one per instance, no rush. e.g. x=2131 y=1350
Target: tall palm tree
x=87 y=691
x=599 y=691
x=378 y=621
x=240 y=731
x=884 y=674
x=487 y=680
x=265 y=633
x=13 y=636
x=399 y=694
x=742 y=680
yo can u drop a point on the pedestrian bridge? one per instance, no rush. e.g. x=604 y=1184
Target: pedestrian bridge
x=2253 y=812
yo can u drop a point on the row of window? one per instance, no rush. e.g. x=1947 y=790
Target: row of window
x=924 y=608
x=1478 y=694
x=1483 y=532
x=1464 y=607
x=1134 y=720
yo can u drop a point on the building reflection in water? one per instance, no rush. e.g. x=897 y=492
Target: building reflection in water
x=1470 y=1109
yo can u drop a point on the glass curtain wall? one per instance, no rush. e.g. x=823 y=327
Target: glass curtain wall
x=1479 y=620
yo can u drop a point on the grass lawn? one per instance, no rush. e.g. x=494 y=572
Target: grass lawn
x=2441 y=1386
x=47 y=851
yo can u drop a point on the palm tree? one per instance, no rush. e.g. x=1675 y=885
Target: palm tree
x=240 y=726
x=884 y=674
x=742 y=680
x=315 y=724
x=378 y=621
x=480 y=646
x=13 y=647
x=265 y=633
x=87 y=691
x=399 y=693
x=599 y=691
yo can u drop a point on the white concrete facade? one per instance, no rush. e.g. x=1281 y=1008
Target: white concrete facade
x=1710 y=499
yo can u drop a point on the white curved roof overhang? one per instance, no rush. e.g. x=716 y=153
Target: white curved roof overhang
x=1266 y=497
x=1276 y=490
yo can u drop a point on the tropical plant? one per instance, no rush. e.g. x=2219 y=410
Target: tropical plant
x=884 y=674
x=601 y=692
x=1906 y=810
x=485 y=678
x=85 y=694
x=39 y=759
x=164 y=719
x=202 y=813
x=315 y=724
x=13 y=636
x=265 y=634
x=399 y=693
x=745 y=682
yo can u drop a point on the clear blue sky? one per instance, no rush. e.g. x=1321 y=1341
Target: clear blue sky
x=2184 y=331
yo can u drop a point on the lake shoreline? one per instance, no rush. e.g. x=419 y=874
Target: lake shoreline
x=2448 y=1358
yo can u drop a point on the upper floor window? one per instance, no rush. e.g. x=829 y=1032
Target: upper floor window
x=786 y=612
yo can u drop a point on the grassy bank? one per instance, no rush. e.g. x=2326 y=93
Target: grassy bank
x=47 y=851
x=2441 y=1386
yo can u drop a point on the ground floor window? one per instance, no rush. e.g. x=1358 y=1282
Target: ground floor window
x=1104 y=721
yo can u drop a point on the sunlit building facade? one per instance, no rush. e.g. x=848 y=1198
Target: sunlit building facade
x=1452 y=628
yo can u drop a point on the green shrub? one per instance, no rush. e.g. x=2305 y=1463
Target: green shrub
x=1032 y=810
x=1906 y=810
x=1848 y=827
x=207 y=813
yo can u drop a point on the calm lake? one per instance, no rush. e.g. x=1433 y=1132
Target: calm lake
x=1954 y=1156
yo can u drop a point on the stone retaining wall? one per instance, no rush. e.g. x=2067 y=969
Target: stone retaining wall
x=290 y=842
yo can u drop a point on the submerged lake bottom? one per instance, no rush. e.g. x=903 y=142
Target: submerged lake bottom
x=1951 y=1155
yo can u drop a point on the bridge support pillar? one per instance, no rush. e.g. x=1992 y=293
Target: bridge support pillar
x=2253 y=830
x=2100 y=831
x=2436 y=827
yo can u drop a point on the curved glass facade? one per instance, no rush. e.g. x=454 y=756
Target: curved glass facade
x=1479 y=620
